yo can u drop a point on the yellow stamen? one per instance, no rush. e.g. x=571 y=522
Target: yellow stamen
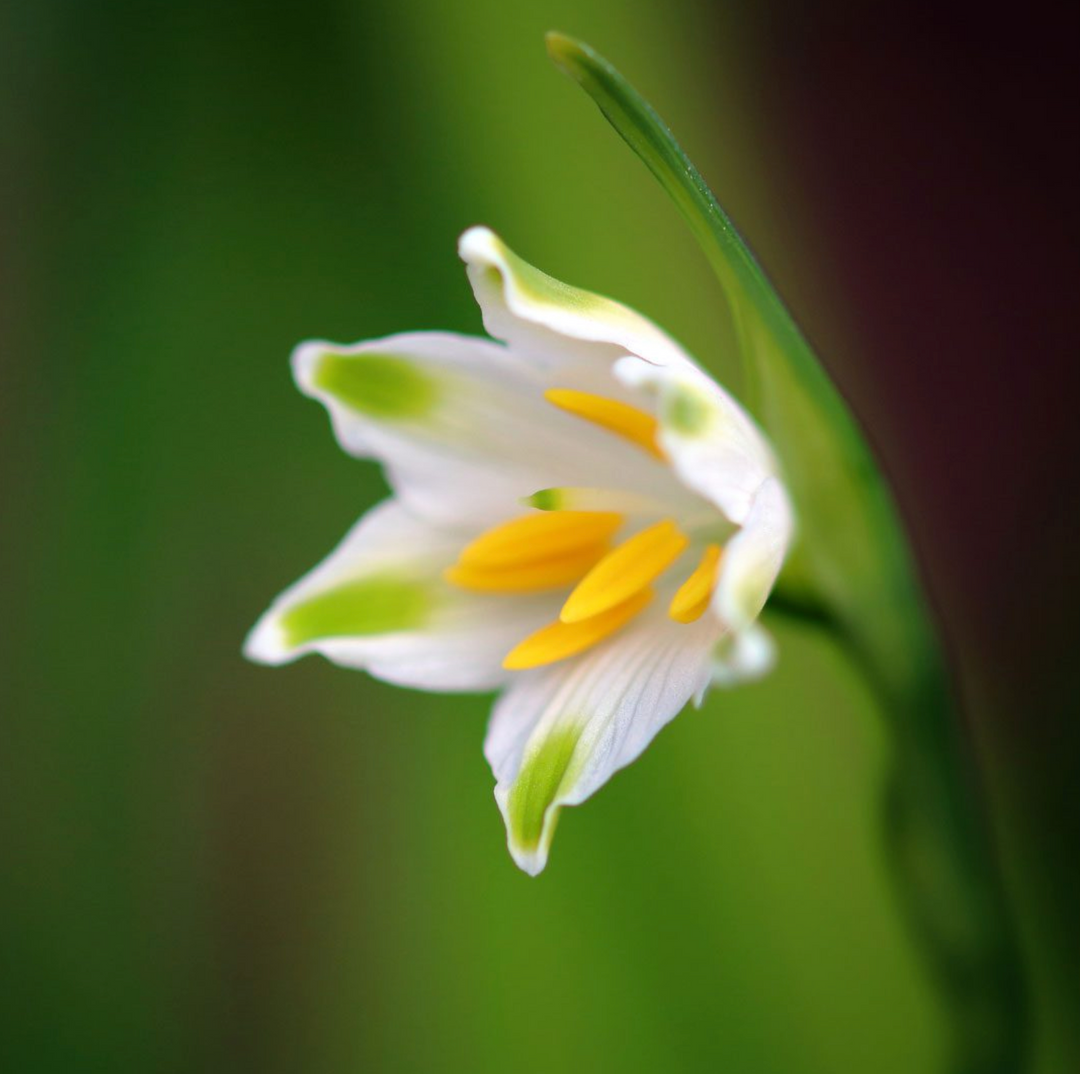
x=690 y=602
x=527 y=576
x=625 y=571
x=559 y=640
x=619 y=418
x=540 y=536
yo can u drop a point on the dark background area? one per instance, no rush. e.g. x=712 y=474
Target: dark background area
x=940 y=147
x=217 y=867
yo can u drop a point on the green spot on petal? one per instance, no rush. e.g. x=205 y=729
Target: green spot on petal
x=381 y=385
x=547 y=290
x=688 y=411
x=546 y=500
x=365 y=606
x=543 y=775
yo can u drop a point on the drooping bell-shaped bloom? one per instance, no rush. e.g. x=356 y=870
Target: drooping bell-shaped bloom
x=581 y=519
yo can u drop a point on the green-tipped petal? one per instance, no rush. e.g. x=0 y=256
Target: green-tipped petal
x=460 y=423
x=559 y=733
x=713 y=444
x=378 y=602
x=753 y=557
x=608 y=348
x=553 y=321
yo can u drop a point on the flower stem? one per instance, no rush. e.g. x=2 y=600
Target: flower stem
x=943 y=868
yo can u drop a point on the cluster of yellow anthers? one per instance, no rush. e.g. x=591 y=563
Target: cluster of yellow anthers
x=612 y=584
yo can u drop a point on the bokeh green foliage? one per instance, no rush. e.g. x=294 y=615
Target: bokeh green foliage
x=216 y=866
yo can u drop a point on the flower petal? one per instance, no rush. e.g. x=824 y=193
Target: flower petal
x=558 y=733
x=461 y=424
x=713 y=444
x=598 y=345
x=378 y=602
x=753 y=557
x=558 y=325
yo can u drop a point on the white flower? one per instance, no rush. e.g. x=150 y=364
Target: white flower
x=581 y=518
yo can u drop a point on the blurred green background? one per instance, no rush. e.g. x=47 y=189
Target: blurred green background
x=213 y=866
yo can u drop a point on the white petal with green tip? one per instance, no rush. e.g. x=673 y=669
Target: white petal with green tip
x=713 y=443
x=550 y=320
x=753 y=558
x=559 y=733
x=378 y=602
x=461 y=424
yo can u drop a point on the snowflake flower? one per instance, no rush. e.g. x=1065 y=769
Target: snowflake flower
x=581 y=518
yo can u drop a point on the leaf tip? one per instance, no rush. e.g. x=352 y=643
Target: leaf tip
x=564 y=51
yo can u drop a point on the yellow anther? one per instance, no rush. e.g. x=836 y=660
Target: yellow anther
x=559 y=640
x=619 y=418
x=529 y=576
x=624 y=571
x=690 y=602
x=540 y=536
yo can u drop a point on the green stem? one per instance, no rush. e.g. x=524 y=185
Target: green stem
x=944 y=869
x=852 y=574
